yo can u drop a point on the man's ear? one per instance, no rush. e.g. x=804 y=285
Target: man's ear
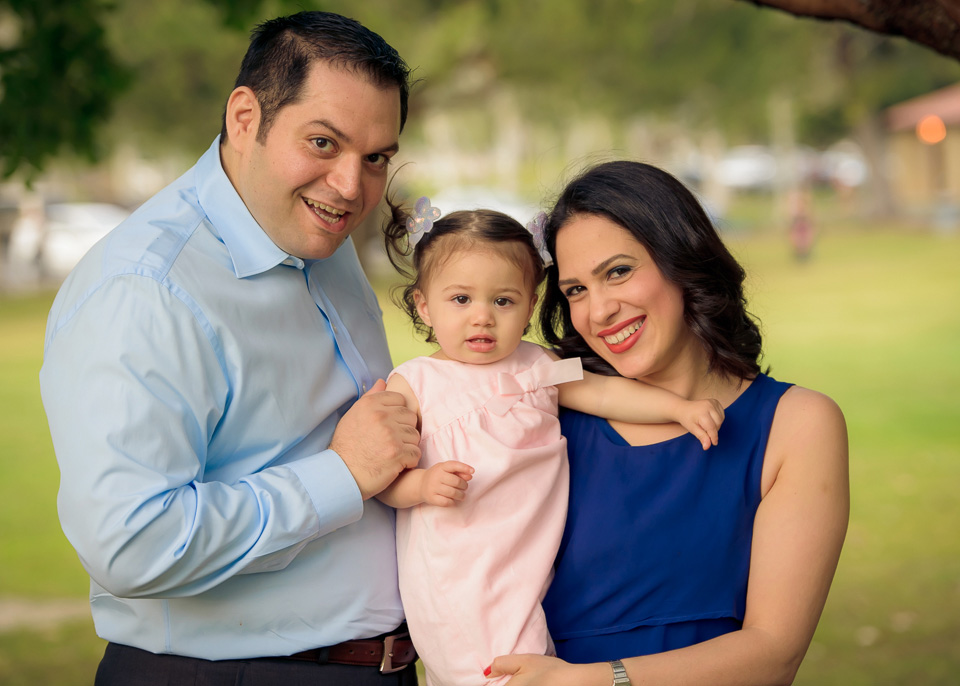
x=422 y=310
x=243 y=118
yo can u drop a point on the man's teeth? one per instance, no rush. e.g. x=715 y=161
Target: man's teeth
x=325 y=212
x=624 y=333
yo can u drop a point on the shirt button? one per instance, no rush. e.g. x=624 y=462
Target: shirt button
x=364 y=388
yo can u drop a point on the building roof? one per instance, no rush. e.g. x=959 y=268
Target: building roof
x=945 y=103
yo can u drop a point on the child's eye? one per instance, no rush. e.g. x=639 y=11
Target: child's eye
x=461 y=299
x=502 y=302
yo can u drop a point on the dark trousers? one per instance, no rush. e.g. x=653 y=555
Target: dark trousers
x=126 y=666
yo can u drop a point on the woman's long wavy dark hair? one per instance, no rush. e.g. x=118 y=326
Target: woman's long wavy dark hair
x=462 y=230
x=665 y=217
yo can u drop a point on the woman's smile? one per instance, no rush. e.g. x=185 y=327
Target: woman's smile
x=623 y=336
x=620 y=302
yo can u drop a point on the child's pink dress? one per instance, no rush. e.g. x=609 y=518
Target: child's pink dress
x=472 y=575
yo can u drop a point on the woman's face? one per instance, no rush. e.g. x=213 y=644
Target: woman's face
x=621 y=304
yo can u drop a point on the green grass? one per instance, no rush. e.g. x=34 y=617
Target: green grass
x=872 y=320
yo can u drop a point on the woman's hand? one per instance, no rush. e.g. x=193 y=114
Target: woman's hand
x=540 y=670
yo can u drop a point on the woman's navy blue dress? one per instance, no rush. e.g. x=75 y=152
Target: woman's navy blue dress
x=656 y=550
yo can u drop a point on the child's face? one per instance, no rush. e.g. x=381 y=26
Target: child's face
x=478 y=304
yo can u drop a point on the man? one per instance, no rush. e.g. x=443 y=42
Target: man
x=212 y=382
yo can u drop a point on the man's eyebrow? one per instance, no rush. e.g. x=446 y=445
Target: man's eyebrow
x=599 y=268
x=393 y=147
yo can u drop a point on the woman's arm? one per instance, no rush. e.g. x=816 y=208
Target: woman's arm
x=798 y=532
x=627 y=400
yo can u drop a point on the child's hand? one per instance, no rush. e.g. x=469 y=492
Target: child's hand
x=445 y=483
x=702 y=418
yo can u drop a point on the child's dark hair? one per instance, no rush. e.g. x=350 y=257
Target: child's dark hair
x=462 y=230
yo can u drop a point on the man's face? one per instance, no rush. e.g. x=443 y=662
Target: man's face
x=323 y=165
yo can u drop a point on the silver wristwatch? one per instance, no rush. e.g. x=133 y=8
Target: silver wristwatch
x=620 y=677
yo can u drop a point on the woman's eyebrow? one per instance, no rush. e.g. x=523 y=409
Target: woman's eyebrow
x=600 y=268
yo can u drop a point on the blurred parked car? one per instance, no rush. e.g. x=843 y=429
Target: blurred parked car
x=747 y=167
x=844 y=165
x=479 y=197
x=56 y=237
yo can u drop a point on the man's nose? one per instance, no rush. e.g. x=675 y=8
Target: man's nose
x=345 y=177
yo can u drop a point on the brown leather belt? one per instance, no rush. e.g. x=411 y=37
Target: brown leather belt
x=390 y=653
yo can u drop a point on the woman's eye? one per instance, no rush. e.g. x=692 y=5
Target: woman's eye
x=618 y=272
x=573 y=291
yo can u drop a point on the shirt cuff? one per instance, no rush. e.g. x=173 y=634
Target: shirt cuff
x=332 y=488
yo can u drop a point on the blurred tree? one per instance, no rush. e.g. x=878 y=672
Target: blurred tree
x=58 y=81
x=65 y=63
x=185 y=59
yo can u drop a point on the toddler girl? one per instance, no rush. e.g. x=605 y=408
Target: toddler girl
x=475 y=563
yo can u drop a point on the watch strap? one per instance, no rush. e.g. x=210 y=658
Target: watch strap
x=620 y=677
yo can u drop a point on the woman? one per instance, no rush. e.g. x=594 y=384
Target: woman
x=689 y=566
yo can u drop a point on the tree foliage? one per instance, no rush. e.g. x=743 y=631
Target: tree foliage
x=157 y=74
x=58 y=78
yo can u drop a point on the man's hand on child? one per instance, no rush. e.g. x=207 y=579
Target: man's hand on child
x=702 y=418
x=445 y=484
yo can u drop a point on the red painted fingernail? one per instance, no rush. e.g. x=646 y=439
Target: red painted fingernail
x=487 y=671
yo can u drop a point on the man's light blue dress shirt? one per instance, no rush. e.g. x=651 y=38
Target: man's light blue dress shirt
x=193 y=375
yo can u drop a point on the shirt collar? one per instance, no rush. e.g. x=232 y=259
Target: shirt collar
x=250 y=248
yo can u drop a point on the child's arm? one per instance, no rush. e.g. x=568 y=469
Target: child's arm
x=627 y=400
x=443 y=484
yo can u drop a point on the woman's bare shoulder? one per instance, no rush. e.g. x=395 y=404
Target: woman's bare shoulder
x=805 y=408
x=809 y=433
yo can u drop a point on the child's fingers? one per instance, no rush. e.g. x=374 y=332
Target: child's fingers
x=718 y=414
x=700 y=434
x=710 y=431
x=713 y=429
x=453 y=480
x=444 y=496
x=462 y=469
x=705 y=440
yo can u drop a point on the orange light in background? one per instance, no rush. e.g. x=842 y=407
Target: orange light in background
x=931 y=130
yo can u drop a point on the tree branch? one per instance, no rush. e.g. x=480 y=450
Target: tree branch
x=933 y=23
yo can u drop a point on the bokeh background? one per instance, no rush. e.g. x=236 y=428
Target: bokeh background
x=828 y=155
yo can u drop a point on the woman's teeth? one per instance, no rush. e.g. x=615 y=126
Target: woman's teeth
x=624 y=333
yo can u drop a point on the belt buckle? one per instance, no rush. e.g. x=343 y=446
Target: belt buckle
x=386 y=664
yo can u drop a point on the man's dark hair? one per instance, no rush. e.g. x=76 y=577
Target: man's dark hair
x=283 y=50
x=665 y=217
